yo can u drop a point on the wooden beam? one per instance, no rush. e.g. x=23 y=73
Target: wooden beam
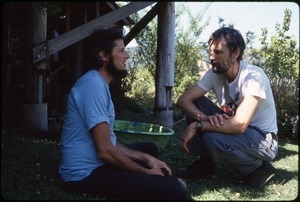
x=56 y=44
x=141 y=24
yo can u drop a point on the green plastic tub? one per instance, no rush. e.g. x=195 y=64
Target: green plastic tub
x=128 y=132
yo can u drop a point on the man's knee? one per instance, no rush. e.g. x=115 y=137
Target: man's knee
x=213 y=142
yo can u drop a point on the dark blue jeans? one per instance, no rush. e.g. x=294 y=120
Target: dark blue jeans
x=114 y=183
x=245 y=151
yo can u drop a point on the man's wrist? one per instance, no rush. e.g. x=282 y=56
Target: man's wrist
x=198 y=125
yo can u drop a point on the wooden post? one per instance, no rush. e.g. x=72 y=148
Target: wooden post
x=34 y=113
x=165 y=64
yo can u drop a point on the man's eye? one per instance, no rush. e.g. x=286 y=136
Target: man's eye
x=216 y=52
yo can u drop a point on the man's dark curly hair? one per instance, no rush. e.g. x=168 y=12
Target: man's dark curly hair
x=103 y=40
x=233 y=38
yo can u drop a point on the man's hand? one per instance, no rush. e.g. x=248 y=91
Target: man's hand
x=159 y=167
x=216 y=120
x=186 y=137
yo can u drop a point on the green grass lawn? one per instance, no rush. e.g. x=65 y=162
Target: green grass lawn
x=29 y=165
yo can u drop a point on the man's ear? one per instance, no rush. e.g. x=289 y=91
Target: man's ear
x=103 y=56
x=237 y=53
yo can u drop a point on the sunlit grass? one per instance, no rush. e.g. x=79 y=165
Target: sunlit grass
x=284 y=186
x=29 y=170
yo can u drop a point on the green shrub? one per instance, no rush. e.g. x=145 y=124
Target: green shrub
x=286 y=96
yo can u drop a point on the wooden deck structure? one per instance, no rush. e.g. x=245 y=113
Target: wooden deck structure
x=46 y=38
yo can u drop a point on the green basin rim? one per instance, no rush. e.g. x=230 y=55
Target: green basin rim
x=141 y=128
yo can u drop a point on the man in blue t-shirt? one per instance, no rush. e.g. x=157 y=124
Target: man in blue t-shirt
x=93 y=161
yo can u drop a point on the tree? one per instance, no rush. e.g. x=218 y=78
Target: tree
x=188 y=48
x=280 y=60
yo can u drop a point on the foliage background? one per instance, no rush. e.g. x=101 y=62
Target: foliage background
x=279 y=58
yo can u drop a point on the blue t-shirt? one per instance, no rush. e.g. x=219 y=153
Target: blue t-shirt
x=89 y=103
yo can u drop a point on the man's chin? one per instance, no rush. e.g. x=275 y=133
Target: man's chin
x=217 y=71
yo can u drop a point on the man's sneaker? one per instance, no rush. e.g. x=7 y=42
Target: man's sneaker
x=199 y=168
x=259 y=177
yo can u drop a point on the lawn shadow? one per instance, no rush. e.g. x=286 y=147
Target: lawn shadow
x=221 y=185
x=282 y=151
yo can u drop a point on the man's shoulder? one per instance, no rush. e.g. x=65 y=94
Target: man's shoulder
x=244 y=64
x=247 y=67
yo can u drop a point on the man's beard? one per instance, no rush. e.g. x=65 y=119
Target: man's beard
x=221 y=68
x=112 y=69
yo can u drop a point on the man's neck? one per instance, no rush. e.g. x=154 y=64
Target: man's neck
x=233 y=72
x=107 y=76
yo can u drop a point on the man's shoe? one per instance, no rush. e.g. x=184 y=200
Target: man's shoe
x=259 y=177
x=197 y=169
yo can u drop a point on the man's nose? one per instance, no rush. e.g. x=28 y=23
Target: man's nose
x=212 y=56
x=127 y=55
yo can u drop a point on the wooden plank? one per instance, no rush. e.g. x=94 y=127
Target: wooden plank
x=56 y=44
x=141 y=24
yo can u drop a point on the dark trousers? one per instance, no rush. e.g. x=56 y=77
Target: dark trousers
x=114 y=183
